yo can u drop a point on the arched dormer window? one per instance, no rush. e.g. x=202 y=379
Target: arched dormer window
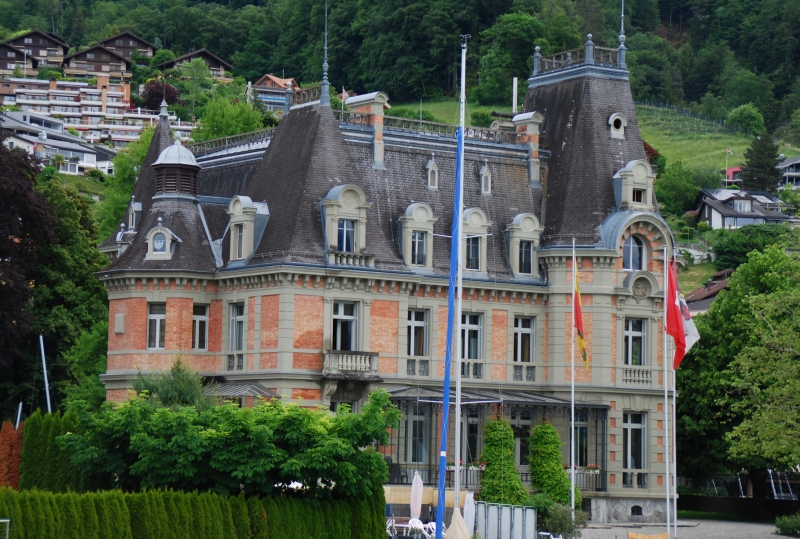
x=486 y=179
x=476 y=228
x=416 y=236
x=432 y=173
x=633 y=254
x=161 y=243
x=523 y=238
x=633 y=186
x=344 y=214
x=617 y=124
x=242 y=212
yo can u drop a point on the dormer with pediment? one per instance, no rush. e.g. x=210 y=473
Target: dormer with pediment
x=633 y=186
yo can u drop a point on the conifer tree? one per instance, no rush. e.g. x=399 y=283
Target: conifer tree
x=198 y=514
x=32 y=518
x=32 y=453
x=122 y=517
x=89 y=517
x=241 y=521
x=214 y=516
x=49 y=479
x=139 y=516
x=500 y=482
x=185 y=509
x=71 y=521
x=68 y=475
x=228 y=528
x=759 y=172
x=261 y=516
x=547 y=474
x=158 y=513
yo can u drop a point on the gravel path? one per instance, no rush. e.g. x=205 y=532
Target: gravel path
x=689 y=529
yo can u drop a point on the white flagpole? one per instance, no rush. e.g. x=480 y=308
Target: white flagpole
x=572 y=391
x=666 y=391
x=675 y=454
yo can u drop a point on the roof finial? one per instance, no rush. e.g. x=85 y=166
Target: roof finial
x=622 y=23
x=325 y=97
x=164 y=112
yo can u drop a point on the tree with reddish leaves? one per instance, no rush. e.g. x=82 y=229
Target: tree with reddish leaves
x=10 y=454
x=25 y=225
x=156 y=91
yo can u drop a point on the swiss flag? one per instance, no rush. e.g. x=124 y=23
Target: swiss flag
x=680 y=325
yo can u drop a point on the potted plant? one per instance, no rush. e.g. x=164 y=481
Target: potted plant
x=592 y=469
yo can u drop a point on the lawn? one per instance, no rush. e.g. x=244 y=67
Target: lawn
x=695 y=275
x=704 y=515
x=446 y=109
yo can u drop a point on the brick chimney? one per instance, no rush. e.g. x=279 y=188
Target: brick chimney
x=372 y=104
x=527 y=126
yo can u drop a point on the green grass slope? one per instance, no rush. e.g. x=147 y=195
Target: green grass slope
x=697 y=143
x=446 y=110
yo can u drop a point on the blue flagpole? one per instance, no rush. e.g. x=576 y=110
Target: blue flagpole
x=451 y=311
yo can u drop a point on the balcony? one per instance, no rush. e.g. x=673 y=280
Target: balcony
x=343 y=258
x=634 y=479
x=637 y=376
x=350 y=365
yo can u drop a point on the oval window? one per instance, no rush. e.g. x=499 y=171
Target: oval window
x=159 y=243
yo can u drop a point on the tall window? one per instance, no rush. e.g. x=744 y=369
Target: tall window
x=471 y=435
x=474 y=253
x=156 y=325
x=200 y=327
x=346 y=237
x=581 y=444
x=635 y=329
x=239 y=239
x=236 y=360
x=418 y=248
x=633 y=254
x=633 y=436
x=417 y=426
x=523 y=339
x=433 y=178
x=526 y=257
x=470 y=336
x=344 y=325
x=417 y=333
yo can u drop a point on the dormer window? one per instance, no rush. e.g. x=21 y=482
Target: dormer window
x=344 y=214
x=161 y=243
x=243 y=211
x=346 y=236
x=475 y=231
x=135 y=214
x=633 y=186
x=633 y=254
x=638 y=195
x=486 y=179
x=416 y=236
x=432 y=173
x=742 y=205
x=617 y=124
x=238 y=239
x=522 y=239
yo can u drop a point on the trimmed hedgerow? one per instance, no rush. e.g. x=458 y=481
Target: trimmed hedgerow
x=547 y=473
x=500 y=482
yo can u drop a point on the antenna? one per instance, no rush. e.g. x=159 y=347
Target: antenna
x=325 y=96
x=622 y=20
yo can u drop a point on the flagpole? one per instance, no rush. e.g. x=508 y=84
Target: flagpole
x=675 y=453
x=572 y=391
x=666 y=390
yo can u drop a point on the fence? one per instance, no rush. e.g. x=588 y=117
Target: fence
x=719 y=125
x=495 y=521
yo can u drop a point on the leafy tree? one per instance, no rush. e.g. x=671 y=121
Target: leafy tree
x=180 y=386
x=747 y=119
x=222 y=118
x=26 y=227
x=156 y=91
x=500 y=482
x=558 y=521
x=675 y=191
x=760 y=160
x=547 y=474
x=127 y=164
x=194 y=81
x=714 y=107
x=162 y=56
x=733 y=247
x=86 y=361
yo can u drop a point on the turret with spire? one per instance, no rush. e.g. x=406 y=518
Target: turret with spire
x=325 y=96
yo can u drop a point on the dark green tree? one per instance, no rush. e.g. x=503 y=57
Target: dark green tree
x=547 y=474
x=180 y=386
x=758 y=171
x=89 y=517
x=241 y=520
x=500 y=482
x=675 y=191
x=733 y=247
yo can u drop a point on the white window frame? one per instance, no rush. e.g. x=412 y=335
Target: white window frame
x=338 y=318
x=632 y=242
x=199 y=327
x=239 y=239
x=581 y=454
x=628 y=337
x=156 y=327
x=525 y=257
x=342 y=234
x=472 y=243
x=412 y=324
x=236 y=336
x=418 y=251
x=468 y=325
x=628 y=427
x=520 y=333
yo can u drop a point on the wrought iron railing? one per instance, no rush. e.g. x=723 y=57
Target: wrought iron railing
x=352 y=118
x=306 y=95
x=562 y=59
x=243 y=139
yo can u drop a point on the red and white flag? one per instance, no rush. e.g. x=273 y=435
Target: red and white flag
x=680 y=325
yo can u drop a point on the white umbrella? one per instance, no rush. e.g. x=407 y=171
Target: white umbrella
x=457 y=529
x=416 y=495
x=469 y=512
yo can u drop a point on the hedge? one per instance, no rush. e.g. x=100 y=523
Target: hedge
x=10 y=454
x=37 y=514
x=44 y=464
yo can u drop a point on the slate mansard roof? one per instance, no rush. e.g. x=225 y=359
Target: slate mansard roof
x=314 y=149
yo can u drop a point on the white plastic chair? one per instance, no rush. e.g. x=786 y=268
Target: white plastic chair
x=416 y=524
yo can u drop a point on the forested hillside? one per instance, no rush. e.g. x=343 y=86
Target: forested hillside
x=715 y=54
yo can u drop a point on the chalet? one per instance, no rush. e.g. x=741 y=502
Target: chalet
x=312 y=260
x=731 y=209
x=271 y=91
x=217 y=65
x=790 y=173
x=12 y=58
x=98 y=61
x=125 y=43
x=48 y=49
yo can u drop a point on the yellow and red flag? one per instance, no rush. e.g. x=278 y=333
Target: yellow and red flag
x=579 y=325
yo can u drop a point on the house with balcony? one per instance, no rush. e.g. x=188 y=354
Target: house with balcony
x=271 y=91
x=98 y=61
x=12 y=58
x=733 y=208
x=312 y=260
x=217 y=65
x=790 y=173
x=48 y=49
x=126 y=42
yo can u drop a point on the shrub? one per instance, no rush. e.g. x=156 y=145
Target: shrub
x=559 y=521
x=500 y=482
x=547 y=474
x=401 y=112
x=480 y=118
x=788 y=525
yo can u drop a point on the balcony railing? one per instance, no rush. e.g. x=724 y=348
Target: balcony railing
x=344 y=258
x=634 y=479
x=476 y=134
x=352 y=118
x=640 y=376
x=561 y=60
x=347 y=362
x=306 y=95
x=233 y=141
